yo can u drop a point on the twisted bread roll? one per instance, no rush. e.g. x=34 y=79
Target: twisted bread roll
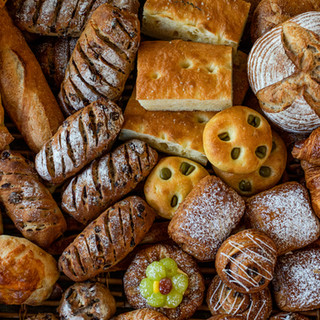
x=107 y=240
x=141 y=314
x=223 y=300
x=246 y=260
x=83 y=137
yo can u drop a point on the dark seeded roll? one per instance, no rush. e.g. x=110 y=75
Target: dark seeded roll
x=83 y=137
x=108 y=179
x=107 y=240
x=102 y=59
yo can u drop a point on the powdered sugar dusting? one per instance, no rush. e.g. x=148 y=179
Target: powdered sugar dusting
x=285 y=214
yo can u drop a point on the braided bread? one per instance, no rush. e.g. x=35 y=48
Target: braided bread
x=60 y=17
x=107 y=180
x=84 y=136
x=107 y=240
x=27 y=202
x=102 y=59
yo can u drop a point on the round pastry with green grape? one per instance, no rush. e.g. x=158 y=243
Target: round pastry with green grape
x=165 y=278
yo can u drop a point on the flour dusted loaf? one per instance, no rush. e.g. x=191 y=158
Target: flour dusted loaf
x=170 y=182
x=102 y=59
x=237 y=140
x=28 y=272
x=285 y=214
x=66 y=17
x=84 y=136
x=208 y=21
x=206 y=218
x=107 y=179
x=27 y=202
x=265 y=177
x=107 y=240
x=177 y=133
x=283 y=70
x=296 y=282
x=200 y=76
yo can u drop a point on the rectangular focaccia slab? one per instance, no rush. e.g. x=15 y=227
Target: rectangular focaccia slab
x=184 y=76
x=207 y=21
x=177 y=133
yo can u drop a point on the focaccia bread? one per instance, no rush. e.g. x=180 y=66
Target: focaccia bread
x=102 y=59
x=177 y=132
x=283 y=70
x=84 y=136
x=199 y=74
x=207 y=21
x=107 y=179
x=108 y=239
x=27 y=202
x=67 y=18
x=206 y=218
x=28 y=273
x=285 y=214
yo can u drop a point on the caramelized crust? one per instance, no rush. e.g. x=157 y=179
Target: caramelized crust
x=108 y=179
x=107 y=240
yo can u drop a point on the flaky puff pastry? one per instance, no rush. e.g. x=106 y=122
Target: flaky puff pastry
x=27 y=273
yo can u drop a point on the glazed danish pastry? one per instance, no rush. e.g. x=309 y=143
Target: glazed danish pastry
x=141 y=314
x=246 y=260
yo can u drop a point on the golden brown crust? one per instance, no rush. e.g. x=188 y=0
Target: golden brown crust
x=27 y=201
x=136 y=272
x=200 y=76
x=25 y=93
x=27 y=272
x=108 y=179
x=107 y=240
x=265 y=177
x=275 y=212
x=81 y=138
x=141 y=314
x=170 y=182
x=206 y=218
x=270 y=13
x=223 y=300
x=238 y=129
x=94 y=299
x=246 y=261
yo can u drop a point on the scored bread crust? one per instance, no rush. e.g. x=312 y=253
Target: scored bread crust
x=84 y=136
x=108 y=179
x=108 y=239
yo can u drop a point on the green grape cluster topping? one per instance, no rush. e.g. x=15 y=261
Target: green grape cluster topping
x=164 y=285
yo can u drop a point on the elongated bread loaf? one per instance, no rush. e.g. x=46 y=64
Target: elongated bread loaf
x=25 y=93
x=102 y=59
x=84 y=136
x=108 y=239
x=107 y=180
x=27 y=202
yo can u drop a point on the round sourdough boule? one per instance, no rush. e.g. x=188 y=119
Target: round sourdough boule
x=27 y=273
x=265 y=177
x=87 y=301
x=237 y=140
x=194 y=294
x=170 y=182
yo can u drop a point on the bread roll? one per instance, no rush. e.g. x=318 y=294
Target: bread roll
x=27 y=272
x=25 y=93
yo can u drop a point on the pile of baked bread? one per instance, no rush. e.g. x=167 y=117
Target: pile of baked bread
x=193 y=168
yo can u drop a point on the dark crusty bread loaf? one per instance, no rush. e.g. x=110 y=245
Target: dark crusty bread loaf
x=102 y=59
x=27 y=202
x=108 y=179
x=84 y=136
x=25 y=93
x=108 y=239
x=60 y=17
x=53 y=55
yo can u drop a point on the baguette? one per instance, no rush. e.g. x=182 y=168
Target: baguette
x=25 y=92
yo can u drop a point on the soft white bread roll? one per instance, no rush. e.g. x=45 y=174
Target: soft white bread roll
x=28 y=273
